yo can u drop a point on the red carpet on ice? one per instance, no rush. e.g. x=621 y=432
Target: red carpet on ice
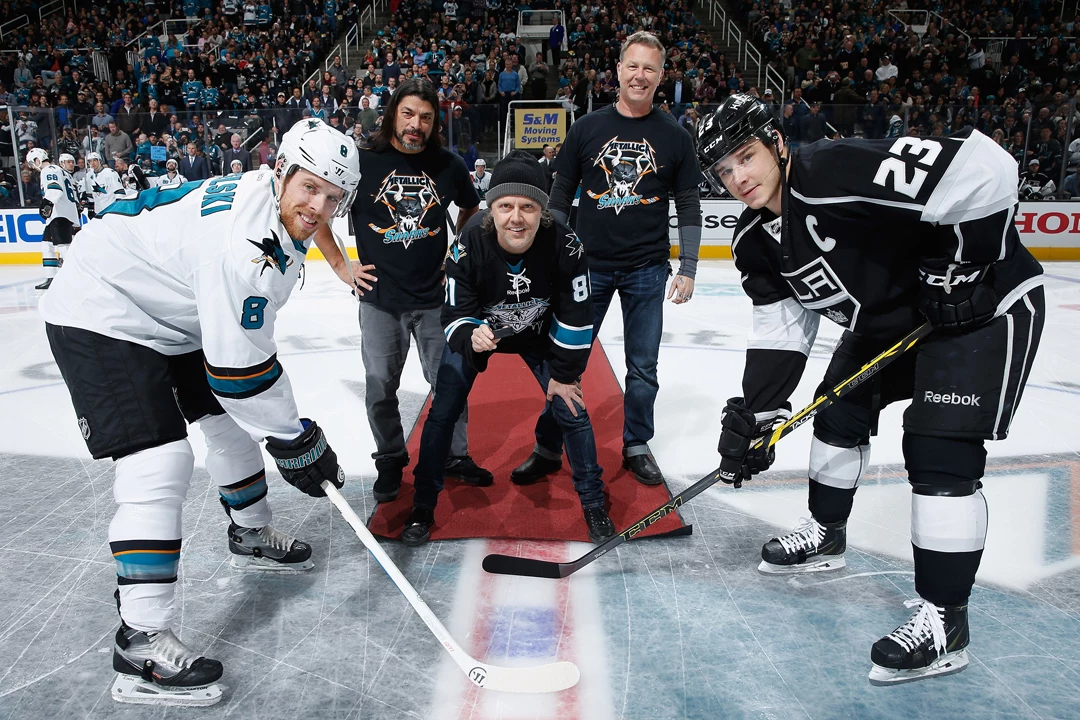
x=503 y=407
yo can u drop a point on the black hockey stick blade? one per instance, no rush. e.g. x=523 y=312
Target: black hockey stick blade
x=529 y=567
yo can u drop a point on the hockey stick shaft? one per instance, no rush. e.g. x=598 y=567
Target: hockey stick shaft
x=510 y=565
x=545 y=678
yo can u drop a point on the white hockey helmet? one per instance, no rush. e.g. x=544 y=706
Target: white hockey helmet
x=324 y=152
x=67 y=158
x=92 y=156
x=171 y=164
x=37 y=158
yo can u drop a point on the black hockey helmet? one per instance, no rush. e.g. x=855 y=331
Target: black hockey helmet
x=739 y=119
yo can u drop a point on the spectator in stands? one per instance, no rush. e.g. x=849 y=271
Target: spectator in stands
x=886 y=70
x=193 y=166
x=367 y=117
x=31 y=190
x=128 y=116
x=509 y=88
x=538 y=74
x=237 y=152
x=101 y=118
x=117 y=144
x=556 y=36
x=547 y=162
x=1072 y=185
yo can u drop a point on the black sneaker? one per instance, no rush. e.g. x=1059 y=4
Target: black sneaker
x=644 y=468
x=388 y=484
x=810 y=547
x=535 y=468
x=418 y=527
x=932 y=642
x=600 y=526
x=45 y=285
x=464 y=469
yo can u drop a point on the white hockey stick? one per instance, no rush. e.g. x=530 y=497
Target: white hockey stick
x=540 y=679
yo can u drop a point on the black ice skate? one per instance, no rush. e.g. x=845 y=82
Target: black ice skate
x=267 y=549
x=932 y=642
x=45 y=285
x=155 y=668
x=810 y=547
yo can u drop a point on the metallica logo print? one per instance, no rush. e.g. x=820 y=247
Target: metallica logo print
x=624 y=163
x=407 y=198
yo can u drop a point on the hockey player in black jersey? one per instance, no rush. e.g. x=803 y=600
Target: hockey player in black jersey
x=517 y=281
x=879 y=237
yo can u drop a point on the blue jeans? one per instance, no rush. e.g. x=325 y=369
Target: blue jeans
x=641 y=294
x=452 y=388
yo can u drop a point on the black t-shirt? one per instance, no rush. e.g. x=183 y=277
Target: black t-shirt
x=627 y=167
x=399 y=218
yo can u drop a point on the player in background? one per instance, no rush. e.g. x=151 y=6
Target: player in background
x=880 y=237
x=517 y=281
x=165 y=316
x=171 y=177
x=481 y=178
x=101 y=186
x=58 y=208
x=132 y=177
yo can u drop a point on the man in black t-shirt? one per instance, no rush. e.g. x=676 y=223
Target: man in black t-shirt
x=399 y=217
x=628 y=158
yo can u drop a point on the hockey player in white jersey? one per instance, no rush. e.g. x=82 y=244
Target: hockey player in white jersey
x=881 y=236
x=170 y=178
x=163 y=316
x=58 y=208
x=101 y=185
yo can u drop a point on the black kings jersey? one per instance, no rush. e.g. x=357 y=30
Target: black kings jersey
x=858 y=217
x=399 y=218
x=627 y=168
x=541 y=298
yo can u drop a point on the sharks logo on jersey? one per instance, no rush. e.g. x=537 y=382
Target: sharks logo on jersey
x=625 y=163
x=518 y=315
x=456 y=252
x=273 y=255
x=574 y=246
x=407 y=198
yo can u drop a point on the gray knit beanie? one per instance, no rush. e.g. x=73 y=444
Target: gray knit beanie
x=519 y=173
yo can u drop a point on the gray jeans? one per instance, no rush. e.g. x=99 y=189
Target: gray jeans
x=384 y=346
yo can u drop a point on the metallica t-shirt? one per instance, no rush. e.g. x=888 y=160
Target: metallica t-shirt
x=399 y=218
x=627 y=168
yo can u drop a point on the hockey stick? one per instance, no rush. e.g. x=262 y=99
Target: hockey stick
x=540 y=679
x=528 y=567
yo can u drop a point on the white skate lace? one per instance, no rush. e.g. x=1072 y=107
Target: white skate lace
x=925 y=622
x=807 y=535
x=169 y=648
x=276 y=539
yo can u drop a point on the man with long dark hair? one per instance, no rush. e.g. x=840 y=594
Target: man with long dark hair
x=408 y=182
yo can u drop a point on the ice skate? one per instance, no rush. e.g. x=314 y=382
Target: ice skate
x=810 y=547
x=932 y=642
x=155 y=668
x=267 y=549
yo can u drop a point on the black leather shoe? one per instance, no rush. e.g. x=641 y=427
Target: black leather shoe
x=600 y=526
x=467 y=471
x=418 y=527
x=644 y=468
x=388 y=483
x=535 y=468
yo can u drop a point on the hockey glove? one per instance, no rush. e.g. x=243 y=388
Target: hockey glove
x=306 y=461
x=956 y=298
x=738 y=462
x=45 y=209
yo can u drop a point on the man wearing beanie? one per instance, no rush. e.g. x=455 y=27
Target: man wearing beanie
x=517 y=281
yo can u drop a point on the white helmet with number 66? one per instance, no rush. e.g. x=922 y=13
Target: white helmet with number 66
x=324 y=152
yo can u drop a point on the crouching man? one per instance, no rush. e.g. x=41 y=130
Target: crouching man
x=517 y=281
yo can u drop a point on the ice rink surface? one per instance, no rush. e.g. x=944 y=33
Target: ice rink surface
x=677 y=628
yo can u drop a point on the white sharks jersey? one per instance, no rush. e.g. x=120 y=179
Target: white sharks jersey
x=103 y=187
x=204 y=265
x=166 y=181
x=58 y=188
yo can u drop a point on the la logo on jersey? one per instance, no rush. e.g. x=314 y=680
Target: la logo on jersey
x=818 y=288
x=624 y=163
x=407 y=198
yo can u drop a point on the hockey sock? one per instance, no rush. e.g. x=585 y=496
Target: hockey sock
x=49 y=260
x=834 y=477
x=145 y=533
x=235 y=463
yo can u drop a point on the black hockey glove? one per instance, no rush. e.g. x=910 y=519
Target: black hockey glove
x=738 y=462
x=956 y=298
x=306 y=461
x=45 y=209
